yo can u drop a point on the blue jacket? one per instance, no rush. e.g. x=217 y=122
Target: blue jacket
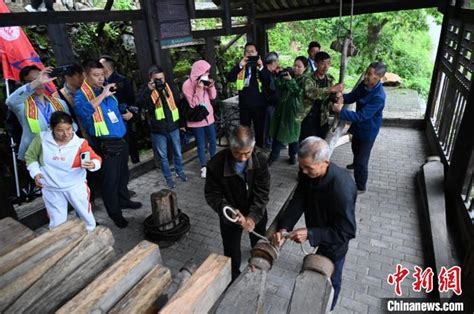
x=367 y=118
x=84 y=110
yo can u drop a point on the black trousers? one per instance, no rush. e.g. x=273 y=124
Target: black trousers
x=361 y=150
x=310 y=126
x=114 y=178
x=231 y=234
x=257 y=116
x=132 y=142
x=47 y=3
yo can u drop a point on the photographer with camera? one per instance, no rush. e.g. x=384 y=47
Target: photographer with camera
x=99 y=112
x=286 y=122
x=160 y=101
x=199 y=90
x=248 y=80
x=32 y=104
x=126 y=98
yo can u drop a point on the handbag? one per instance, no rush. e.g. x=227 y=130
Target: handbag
x=196 y=114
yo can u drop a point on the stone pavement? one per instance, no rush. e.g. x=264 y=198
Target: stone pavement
x=388 y=229
x=403 y=103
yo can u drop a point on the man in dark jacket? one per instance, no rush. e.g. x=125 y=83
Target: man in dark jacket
x=126 y=98
x=238 y=177
x=252 y=105
x=326 y=194
x=366 y=121
x=270 y=92
x=161 y=102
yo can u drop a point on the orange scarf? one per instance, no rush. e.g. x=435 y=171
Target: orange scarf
x=159 y=113
x=31 y=111
x=100 y=126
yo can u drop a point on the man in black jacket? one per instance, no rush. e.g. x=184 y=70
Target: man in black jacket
x=161 y=102
x=238 y=177
x=252 y=104
x=126 y=98
x=326 y=194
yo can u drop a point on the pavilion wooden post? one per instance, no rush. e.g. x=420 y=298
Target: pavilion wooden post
x=211 y=56
x=59 y=38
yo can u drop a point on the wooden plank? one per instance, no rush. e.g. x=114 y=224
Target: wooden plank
x=203 y=289
x=72 y=229
x=312 y=293
x=13 y=234
x=64 y=17
x=69 y=275
x=17 y=280
x=107 y=289
x=246 y=294
x=142 y=297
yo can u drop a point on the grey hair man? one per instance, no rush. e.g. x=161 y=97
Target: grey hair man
x=238 y=177
x=326 y=194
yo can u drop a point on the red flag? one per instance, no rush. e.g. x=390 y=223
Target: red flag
x=16 y=51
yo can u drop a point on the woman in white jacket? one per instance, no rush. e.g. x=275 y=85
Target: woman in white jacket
x=57 y=159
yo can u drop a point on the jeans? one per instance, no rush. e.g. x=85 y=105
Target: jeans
x=161 y=145
x=268 y=119
x=277 y=146
x=231 y=235
x=361 y=150
x=200 y=134
x=336 y=279
x=257 y=116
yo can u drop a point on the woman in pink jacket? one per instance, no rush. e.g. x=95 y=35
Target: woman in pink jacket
x=199 y=90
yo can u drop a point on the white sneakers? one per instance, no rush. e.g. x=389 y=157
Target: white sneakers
x=41 y=8
x=203 y=172
x=29 y=8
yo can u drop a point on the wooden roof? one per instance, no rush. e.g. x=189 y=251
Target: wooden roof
x=271 y=11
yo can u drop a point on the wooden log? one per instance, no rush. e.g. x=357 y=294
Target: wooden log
x=14 y=282
x=246 y=294
x=312 y=293
x=142 y=297
x=69 y=275
x=107 y=289
x=13 y=234
x=72 y=228
x=164 y=206
x=200 y=293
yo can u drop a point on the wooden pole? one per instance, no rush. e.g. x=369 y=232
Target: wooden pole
x=107 y=289
x=59 y=39
x=202 y=290
x=69 y=275
x=13 y=234
x=14 y=282
x=141 y=298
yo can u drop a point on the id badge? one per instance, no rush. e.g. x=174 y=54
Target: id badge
x=113 y=118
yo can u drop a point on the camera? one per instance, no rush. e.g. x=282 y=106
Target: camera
x=159 y=85
x=117 y=86
x=252 y=61
x=205 y=80
x=284 y=72
x=61 y=70
x=123 y=108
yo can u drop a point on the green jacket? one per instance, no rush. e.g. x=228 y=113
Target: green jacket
x=316 y=96
x=286 y=121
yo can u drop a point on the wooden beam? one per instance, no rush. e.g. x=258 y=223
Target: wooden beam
x=332 y=10
x=114 y=283
x=63 y=17
x=69 y=275
x=142 y=297
x=13 y=234
x=59 y=40
x=202 y=290
x=219 y=32
x=14 y=282
x=312 y=293
x=207 y=14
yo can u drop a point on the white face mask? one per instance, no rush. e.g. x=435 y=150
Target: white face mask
x=204 y=78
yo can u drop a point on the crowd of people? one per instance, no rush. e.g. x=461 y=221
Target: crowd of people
x=82 y=135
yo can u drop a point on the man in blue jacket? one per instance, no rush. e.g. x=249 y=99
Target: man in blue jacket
x=366 y=120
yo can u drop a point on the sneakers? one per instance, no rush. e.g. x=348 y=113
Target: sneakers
x=131 y=205
x=361 y=191
x=170 y=183
x=182 y=176
x=350 y=167
x=203 y=172
x=29 y=8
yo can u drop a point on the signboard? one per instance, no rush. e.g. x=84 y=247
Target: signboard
x=175 y=25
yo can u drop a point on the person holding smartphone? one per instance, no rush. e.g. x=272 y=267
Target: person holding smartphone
x=252 y=103
x=58 y=160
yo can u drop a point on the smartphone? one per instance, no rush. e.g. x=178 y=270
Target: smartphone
x=85 y=157
x=117 y=87
x=252 y=59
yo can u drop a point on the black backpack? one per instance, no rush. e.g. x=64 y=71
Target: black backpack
x=195 y=114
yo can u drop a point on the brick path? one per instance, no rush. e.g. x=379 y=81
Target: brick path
x=388 y=229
